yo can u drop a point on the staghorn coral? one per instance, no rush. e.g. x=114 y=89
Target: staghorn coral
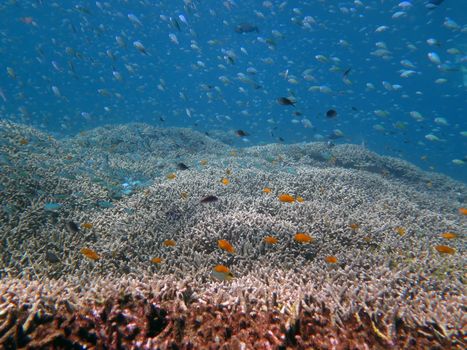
x=167 y=315
x=386 y=290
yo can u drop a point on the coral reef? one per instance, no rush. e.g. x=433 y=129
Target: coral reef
x=120 y=192
x=167 y=315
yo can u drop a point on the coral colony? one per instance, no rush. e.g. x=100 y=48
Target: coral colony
x=307 y=246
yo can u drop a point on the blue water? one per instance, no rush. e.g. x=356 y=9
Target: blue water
x=63 y=70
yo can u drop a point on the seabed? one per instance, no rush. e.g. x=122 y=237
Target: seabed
x=85 y=262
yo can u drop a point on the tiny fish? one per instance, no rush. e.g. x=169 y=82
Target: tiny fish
x=71 y=227
x=222 y=273
x=400 y=231
x=286 y=198
x=225 y=181
x=51 y=257
x=90 y=254
x=171 y=176
x=303 y=238
x=331 y=259
x=182 y=166
x=225 y=245
x=156 y=260
x=285 y=101
x=331 y=113
x=434 y=3
x=246 y=28
x=444 y=249
x=169 y=243
x=241 y=133
x=270 y=240
x=209 y=199
x=346 y=73
x=87 y=225
x=448 y=235
x=140 y=47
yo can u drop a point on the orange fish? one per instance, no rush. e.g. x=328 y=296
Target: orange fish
x=225 y=245
x=169 y=243
x=90 y=254
x=87 y=225
x=23 y=142
x=171 y=176
x=286 y=198
x=400 y=231
x=331 y=259
x=221 y=268
x=444 y=249
x=156 y=260
x=302 y=238
x=266 y=190
x=463 y=211
x=300 y=199
x=222 y=273
x=203 y=162
x=354 y=226
x=270 y=240
x=225 y=181
x=448 y=235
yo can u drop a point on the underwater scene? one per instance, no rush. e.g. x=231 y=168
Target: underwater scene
x=228 y=174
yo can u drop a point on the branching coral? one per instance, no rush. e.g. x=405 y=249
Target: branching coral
x=387 y=287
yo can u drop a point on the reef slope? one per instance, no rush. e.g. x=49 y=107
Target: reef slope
x=380 y=217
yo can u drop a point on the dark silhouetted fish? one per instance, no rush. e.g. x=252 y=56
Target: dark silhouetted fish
x=347 y=72
x=175 y=23
x=431 y=4
x=285 y=101
x=182 y=166
x=71 y=227
x=331 y=113
x=241 y=133
x=246 y=28
x=51 y=257
x=209 y=199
